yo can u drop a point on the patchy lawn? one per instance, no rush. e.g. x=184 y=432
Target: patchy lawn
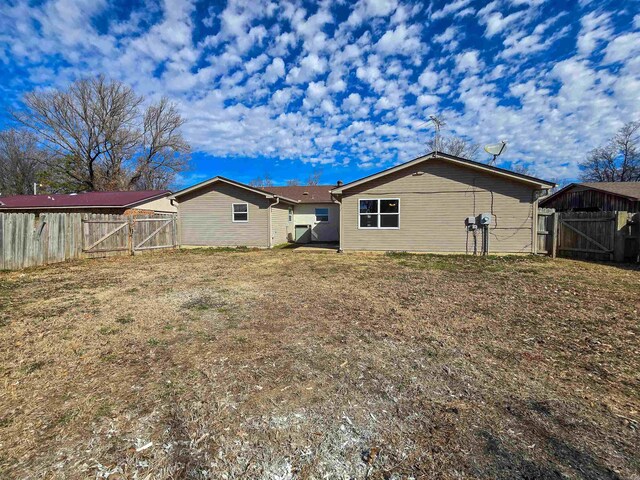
x=283 y=364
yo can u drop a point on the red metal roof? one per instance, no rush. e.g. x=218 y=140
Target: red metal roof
x=79 y=200
x=314 y=193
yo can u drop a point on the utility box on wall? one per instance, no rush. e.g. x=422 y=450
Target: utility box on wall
x=484 y=219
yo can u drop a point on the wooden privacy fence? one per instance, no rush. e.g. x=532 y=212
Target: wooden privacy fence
x=608 y=236
x=27 y=239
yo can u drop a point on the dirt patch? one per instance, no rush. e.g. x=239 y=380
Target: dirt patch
x=288 y=364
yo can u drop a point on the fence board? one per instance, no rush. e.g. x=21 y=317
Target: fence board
x=28 y=239
x=545 y=230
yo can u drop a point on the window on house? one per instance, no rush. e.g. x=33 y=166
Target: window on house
x=240 y=212
x=322 y=214
x=291 y=214
x=379 y=213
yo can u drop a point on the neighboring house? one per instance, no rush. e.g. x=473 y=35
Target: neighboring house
x=422 y=205
x=595 y=197
x=150 y=201
x=223 y=212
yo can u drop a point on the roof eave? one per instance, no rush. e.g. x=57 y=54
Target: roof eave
x=61 y=207
x=288 y=200
x=463 y=161
x=149 y=199
x=220 y=179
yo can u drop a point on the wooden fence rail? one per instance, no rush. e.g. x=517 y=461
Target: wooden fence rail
x=28 y=239
x=607 y=236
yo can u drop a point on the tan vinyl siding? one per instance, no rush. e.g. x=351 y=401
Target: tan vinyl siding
x=280 y=225
x=305 y=214
x=433 y=207
x=204 y=217
x=160 y=205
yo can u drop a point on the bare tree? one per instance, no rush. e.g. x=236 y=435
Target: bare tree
x=98 y=138
x=618 y=160
x=456 y=146
x=21 y=162
x=292 y=182
x=262 y=182
x=521 y=169
x=314 y=177
x=164 y=149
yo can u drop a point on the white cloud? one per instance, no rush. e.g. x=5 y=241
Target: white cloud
x=283 y=80
x=428 y=100
x=275 y=70
x=310 y=67
x=428 y=79
x=316 y=91
x=352 y=101
x=595 y=29
x=450 y=38
x=496 y=22
x=400 y=41
x=449 y=8
x=623 y=47
x=468 y=61
x=365 y=9
x=256 y=63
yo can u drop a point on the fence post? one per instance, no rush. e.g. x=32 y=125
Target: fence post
x=131 y=221
x=619 y=225
x=554 y=235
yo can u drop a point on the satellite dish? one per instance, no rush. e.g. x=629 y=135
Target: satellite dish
x=496 y=149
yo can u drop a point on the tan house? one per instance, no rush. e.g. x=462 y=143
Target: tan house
x=433 y=204
x=223 y=212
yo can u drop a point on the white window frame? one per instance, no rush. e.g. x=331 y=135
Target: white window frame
x=379 y=227
x=233 y=213
x=290 y=214
x=316 y=215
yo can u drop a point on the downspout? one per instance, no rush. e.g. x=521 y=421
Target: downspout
x=339 y=202
x=269 y=222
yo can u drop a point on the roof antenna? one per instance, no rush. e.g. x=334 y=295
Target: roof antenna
x=437 y=123
x=496 y=149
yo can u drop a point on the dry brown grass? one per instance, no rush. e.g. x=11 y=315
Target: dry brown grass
x=283 y=364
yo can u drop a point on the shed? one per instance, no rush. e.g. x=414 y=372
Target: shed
x=595 y=197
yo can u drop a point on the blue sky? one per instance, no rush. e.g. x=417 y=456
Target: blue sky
x=284 y=88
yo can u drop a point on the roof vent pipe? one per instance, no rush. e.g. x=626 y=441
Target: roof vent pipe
x=339 y=183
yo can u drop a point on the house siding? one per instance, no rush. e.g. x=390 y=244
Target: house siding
x=204 y=217
x=280 y=225
x=160 y=205
x=305 y=214
x=434 y=205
